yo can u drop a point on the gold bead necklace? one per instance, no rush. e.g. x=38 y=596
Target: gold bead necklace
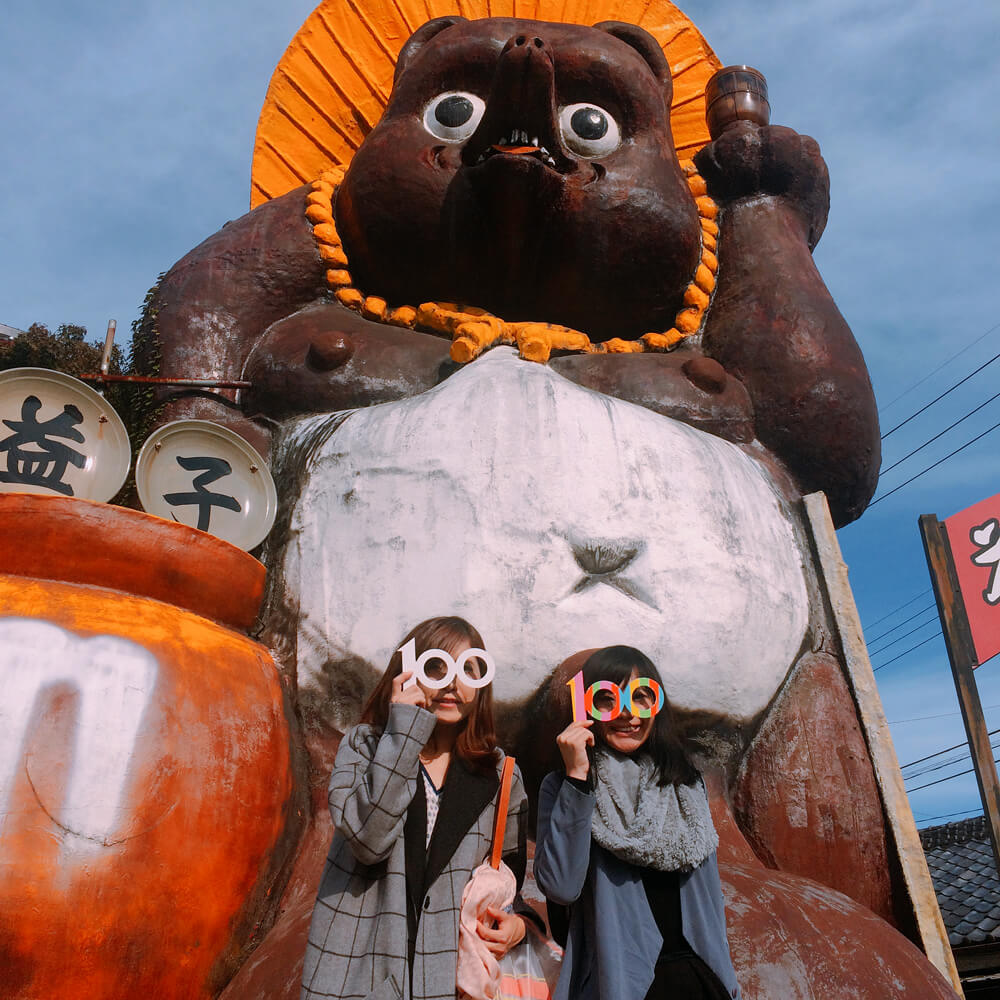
x=473 y=330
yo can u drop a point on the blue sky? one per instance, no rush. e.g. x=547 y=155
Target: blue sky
x=127 y=135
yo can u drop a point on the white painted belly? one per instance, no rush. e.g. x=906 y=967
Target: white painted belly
x=554 y=518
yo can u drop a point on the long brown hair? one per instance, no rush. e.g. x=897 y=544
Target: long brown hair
x=476 y=743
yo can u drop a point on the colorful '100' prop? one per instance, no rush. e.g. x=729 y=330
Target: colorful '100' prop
x=583 y=698
x=454 y=668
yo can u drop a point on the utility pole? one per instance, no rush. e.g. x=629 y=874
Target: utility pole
x=962 y=654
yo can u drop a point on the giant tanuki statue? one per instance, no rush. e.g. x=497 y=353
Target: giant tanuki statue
x=522 y=362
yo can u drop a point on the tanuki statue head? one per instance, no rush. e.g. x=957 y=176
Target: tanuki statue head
x=527 y=168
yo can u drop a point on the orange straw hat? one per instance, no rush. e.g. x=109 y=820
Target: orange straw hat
x=333 y=82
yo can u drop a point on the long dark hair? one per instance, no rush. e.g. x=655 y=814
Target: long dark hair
x=665 y=743
x=476 y=743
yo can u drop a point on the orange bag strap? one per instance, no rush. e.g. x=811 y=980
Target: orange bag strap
x=503 y=802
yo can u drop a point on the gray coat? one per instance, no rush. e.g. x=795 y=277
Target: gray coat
x=613 y=942
x=382 y=894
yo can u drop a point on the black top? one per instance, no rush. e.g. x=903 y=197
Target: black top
x=679 y=973
x=663 y=890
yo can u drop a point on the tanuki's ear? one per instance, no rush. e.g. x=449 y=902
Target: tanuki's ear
x=420 y=38
x=648 y=47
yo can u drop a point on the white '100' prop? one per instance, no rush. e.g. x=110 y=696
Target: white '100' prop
x=456 y=668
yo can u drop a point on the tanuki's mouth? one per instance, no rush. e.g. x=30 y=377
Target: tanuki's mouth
x=518 y=144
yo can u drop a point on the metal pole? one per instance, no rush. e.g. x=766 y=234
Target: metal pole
x=109 y=343
x=193 y=383
x=962 y=654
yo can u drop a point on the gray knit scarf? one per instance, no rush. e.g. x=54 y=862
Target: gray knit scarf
x=668 y=828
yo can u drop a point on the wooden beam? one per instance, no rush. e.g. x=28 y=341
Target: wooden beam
x=962 y=654
x=861 y=678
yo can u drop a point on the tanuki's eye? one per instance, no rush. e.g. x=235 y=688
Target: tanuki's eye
x=588 y=130
x=453 y=116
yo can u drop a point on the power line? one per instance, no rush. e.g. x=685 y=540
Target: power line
x=881 y=649
x=940 y=781
x=967 y=752
x=878 y=621
x=925 y=718
x=978 y=437
x=920 y=760
x=875 y=670
x=940 y=434
x=950 y=762
x=931 y=756
x=916 y=614
x=921 y=381
x=950 y=758
x=969 y=813
x=938 y=398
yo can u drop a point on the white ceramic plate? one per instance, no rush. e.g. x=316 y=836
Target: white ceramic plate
x=59 y=437
x=208 y=477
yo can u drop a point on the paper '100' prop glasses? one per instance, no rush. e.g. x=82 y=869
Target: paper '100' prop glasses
x=605 y=700
x=437 y=668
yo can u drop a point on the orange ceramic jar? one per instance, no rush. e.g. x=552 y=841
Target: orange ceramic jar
x=144 y=754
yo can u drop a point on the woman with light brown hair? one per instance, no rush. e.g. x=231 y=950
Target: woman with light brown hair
x=412 y=796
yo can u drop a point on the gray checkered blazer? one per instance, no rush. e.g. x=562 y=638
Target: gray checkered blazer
x=382 y=892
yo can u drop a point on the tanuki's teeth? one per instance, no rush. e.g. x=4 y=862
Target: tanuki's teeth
x=518 y=137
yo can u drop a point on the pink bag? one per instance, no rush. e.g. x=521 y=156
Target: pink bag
x=491 y=884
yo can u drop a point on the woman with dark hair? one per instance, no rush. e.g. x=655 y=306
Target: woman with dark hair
x=412 y=796
x=625 y=840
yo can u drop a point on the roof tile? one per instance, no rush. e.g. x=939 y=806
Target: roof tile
x=960 y=859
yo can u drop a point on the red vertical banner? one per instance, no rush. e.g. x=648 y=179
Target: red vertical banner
x=974 y=537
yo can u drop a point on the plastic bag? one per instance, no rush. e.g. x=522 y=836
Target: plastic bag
x=478 y=976
x=530 y=970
